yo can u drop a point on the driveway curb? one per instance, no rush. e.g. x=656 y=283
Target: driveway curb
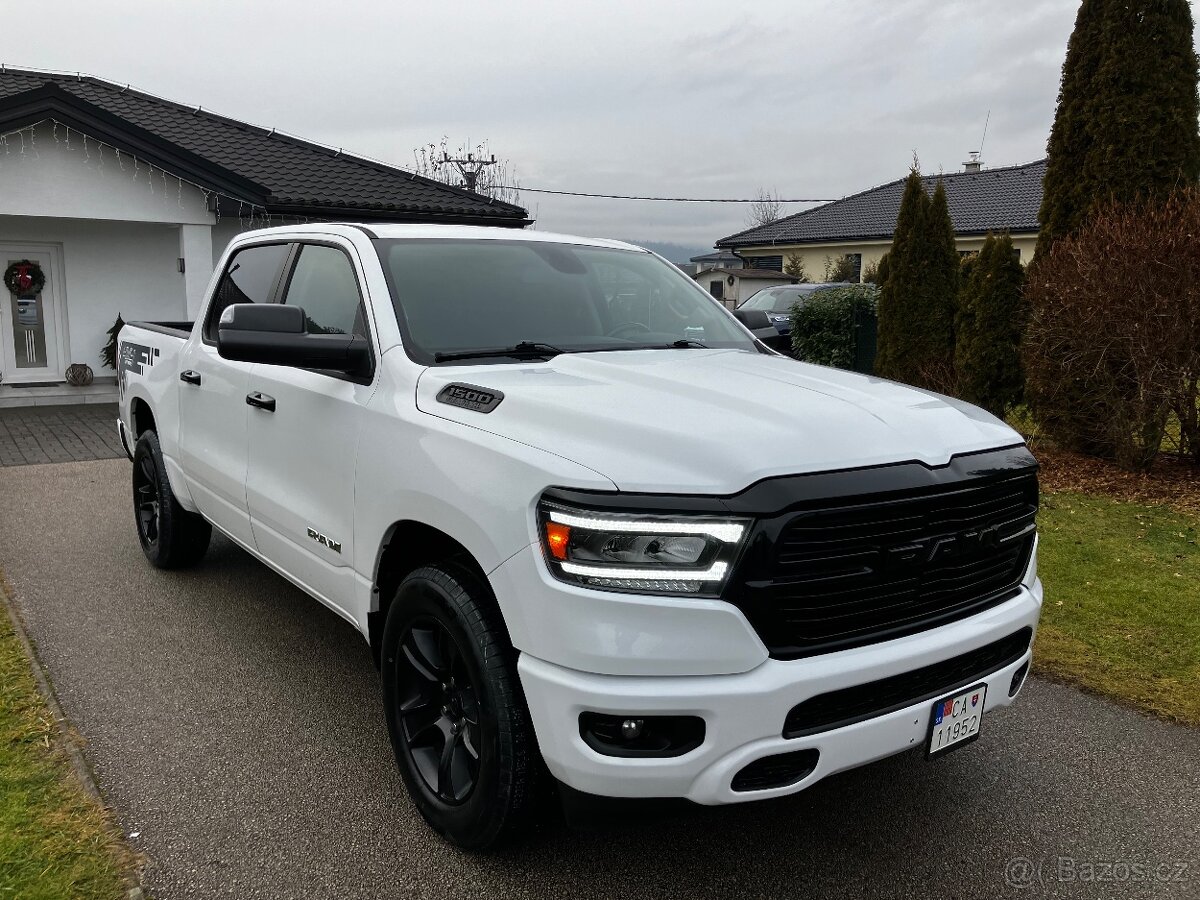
x=67 y=740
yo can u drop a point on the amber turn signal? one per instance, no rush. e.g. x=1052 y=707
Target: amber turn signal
x=557 y=538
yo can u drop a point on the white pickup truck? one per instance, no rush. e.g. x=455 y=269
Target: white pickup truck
x=589 y=525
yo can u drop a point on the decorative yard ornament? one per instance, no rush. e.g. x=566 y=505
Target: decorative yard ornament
x=79 y=374
x=24 y=277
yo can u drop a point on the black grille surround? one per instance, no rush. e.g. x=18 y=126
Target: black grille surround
x=851 y=557
x=845 y=572
x=837 y=709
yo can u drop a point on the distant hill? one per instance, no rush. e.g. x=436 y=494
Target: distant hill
x=676 y=253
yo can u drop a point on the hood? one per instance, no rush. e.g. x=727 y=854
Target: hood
x=712 y=421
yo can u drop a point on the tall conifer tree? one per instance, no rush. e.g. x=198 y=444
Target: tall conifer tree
x=1126 y=122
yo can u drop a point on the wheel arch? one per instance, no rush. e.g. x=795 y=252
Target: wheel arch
x=407 y=545
x=141 y=417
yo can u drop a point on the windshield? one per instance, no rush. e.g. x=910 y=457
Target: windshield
x=453 y=296
x=773 y=300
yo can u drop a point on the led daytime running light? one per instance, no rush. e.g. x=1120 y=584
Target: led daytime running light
x=726 y=532
x=716 y=572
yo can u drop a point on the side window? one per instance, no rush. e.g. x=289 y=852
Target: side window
x=249 y=278
x=324 y=286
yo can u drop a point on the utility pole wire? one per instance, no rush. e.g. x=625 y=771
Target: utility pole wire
x=663 y=199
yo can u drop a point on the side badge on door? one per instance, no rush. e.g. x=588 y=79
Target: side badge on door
x=335 y=546
x=470 y=396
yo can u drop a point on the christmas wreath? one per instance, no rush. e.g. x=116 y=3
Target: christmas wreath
x=24 y=277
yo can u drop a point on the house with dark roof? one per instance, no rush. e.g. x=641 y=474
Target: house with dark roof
x=860 y=226
x=115 y=201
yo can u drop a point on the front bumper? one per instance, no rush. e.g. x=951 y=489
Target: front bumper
x=744 y=713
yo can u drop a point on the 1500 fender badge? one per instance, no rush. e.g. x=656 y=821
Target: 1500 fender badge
x=470 y=396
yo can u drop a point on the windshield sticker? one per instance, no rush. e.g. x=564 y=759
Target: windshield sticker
x=470 y=396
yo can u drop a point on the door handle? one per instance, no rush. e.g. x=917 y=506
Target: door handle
x=189 y=377
x=262 y=401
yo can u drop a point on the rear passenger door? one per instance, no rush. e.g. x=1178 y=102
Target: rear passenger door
x=300 y=478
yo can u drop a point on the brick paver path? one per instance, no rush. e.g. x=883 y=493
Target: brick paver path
x=48 y=434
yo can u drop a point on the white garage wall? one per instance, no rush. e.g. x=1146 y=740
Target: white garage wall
x=129 y=268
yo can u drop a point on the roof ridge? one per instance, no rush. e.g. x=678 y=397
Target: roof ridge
x=295 y=140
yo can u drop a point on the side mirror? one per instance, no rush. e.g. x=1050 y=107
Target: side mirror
x=278 y=335
x=753 y=319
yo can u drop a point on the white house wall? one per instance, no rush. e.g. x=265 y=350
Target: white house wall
x=109 y=267
x=43 y=176
x=814 y=256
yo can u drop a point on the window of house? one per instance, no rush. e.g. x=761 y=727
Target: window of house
x=249 y=277
x=765 y=262
x=324 y=286
x=717 y=289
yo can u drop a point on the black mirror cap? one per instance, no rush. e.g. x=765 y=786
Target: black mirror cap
x=272 y=317
x=346 y=353
x=752 y=318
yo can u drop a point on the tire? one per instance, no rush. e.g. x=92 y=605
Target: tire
x=171 y=537
x=455 y=711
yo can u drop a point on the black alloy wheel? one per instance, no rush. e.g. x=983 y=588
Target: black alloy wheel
x=170 y=536
x=439 y=710
x=457 y=718
x=146 y=499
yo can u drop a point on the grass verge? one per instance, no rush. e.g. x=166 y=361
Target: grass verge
x=1122 y=611
x=56 y=840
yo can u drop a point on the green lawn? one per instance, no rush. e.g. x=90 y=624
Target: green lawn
x=55 y=841
x=1122 y=612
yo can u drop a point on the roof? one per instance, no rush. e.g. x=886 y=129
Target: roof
x=713 y=257
x=244 y=162
x=772 y=274
x=990 y=200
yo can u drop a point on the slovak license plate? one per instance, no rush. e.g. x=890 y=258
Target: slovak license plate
x=956 y=719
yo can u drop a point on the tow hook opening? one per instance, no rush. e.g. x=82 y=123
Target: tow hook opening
x=779 y=770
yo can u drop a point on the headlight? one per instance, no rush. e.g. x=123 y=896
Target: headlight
x=643 y=553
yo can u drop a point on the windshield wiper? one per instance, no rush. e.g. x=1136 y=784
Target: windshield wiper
x=523 y=350
x=681 y=344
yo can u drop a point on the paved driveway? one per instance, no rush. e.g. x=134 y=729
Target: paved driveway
x=234 y=725
x=46 y=434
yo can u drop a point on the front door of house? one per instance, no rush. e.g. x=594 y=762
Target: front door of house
x=30 y=313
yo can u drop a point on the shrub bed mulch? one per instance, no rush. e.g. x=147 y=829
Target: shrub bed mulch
x=1174 y=481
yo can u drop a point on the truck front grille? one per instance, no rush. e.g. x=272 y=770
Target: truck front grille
x=855 y=571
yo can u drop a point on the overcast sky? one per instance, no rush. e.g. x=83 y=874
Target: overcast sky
x=812 y=98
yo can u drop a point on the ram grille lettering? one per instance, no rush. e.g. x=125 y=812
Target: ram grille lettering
x=470 y=396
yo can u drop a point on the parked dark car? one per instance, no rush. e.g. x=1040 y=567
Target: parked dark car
x=777 y=303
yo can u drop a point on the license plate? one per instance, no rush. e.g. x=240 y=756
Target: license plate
x=955 y=720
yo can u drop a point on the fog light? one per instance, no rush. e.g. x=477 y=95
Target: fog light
x=626 y=736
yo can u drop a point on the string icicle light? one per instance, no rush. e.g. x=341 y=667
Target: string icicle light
x=249 y=214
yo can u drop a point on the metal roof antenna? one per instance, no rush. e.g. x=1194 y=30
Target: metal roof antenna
x=196 y=111
x=976 y=162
